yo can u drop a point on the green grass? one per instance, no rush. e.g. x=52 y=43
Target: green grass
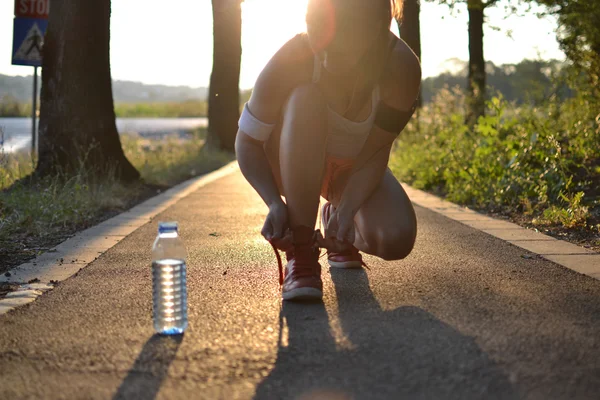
x=172 y=160
x=541 y=161
x=58 y=206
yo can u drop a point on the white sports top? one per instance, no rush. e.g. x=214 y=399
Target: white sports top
x=346 y=138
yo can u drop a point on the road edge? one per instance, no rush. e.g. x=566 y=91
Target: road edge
x=568 y=255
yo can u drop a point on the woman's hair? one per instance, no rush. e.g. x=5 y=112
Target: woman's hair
x=387 y=11
x=396 y=8
x=326 y=18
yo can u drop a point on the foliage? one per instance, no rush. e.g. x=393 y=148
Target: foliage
x=529 y=81
x=579 y=33
x=540 y=160
x=11 y=107
x=190 y=108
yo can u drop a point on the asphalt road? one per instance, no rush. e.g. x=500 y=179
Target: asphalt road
x=465 y=316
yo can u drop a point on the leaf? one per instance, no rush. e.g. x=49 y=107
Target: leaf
x=533 y=138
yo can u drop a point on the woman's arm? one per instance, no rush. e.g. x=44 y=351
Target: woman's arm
x=367 y=171
x=256 y=168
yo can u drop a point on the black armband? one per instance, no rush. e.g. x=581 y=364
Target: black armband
x=392 y=120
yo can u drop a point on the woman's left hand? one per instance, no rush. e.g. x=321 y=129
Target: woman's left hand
x=341 y=226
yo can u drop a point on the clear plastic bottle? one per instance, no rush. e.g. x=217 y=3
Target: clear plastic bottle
x=169 y=281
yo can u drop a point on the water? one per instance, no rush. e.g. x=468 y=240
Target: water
x=17 y=131
x=170 y=296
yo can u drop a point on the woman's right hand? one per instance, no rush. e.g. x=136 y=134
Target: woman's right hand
x=277 y=221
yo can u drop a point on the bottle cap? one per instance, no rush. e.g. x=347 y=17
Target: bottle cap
x=165 y=227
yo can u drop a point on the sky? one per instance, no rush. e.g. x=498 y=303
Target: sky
x=158 y=42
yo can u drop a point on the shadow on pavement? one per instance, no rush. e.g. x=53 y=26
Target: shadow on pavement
x=145 y=377
x=406 y=353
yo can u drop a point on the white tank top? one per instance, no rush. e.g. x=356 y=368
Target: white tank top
x=346 y=138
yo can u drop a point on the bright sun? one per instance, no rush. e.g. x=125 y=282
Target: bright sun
x=267 y=25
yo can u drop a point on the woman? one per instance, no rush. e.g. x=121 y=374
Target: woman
x=321 y=120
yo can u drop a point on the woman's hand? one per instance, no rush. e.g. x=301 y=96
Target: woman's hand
x=277 y=221
x=341 y=226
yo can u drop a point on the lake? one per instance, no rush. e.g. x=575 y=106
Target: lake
x=17 y=131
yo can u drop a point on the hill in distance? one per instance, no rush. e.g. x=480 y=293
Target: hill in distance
x=515 y=81
x=21 y=87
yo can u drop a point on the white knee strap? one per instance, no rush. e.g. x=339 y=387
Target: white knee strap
x=254 y=127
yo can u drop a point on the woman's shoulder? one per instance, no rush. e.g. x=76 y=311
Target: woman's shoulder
x=295 y=50
x=402 y=76
x=290 y=67
x=293 y=63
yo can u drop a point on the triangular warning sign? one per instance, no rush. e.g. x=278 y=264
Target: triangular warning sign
x=31 y=48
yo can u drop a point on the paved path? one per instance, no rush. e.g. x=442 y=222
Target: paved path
x=465 y=316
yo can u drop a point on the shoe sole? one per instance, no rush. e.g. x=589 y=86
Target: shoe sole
x=306 y=293
x=345 y=264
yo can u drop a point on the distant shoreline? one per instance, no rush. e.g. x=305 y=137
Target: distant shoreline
x=17 y=131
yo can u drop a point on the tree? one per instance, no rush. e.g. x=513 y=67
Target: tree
x=476 y=83
x=410 y=28
x=77 y=118
x=579 y=34
x=223 y=101
x=476 y=73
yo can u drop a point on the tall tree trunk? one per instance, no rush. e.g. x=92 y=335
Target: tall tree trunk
x=224 y=94
x=476 y=61
x=410 y=29
x=77 y=118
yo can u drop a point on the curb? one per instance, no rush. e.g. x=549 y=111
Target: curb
x=571 y=256
x=66 y=259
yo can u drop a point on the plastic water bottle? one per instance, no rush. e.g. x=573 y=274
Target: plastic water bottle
x=169 y=281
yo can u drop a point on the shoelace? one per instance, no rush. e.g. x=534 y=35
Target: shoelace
x=285 y=244
x=279 y=263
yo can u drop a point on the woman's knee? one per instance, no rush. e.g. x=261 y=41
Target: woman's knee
x=396 y=243
x=306 y=99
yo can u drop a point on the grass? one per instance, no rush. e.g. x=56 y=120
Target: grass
x=34 y=216
x=171 y=160
x=184 y=109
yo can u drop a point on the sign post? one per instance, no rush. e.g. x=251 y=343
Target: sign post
x=29 y=28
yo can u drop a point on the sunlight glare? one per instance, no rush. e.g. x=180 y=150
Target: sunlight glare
x=266 y=26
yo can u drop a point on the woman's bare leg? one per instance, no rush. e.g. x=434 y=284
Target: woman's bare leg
x=386 y=225
x=302 y=150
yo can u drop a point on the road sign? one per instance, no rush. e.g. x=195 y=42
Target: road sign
x=32 y=8
x=28 y=39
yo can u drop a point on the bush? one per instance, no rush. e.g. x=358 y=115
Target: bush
x=541 y=160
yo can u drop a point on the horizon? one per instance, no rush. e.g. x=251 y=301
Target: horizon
x=260 y=39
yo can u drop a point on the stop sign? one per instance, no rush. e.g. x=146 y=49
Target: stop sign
x=32 y=8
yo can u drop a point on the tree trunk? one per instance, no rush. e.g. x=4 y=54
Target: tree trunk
x=476 y=61
x=224 y=94
x=77 y=118
x=410 y=28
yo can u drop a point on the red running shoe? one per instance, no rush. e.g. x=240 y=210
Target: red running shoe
x=348 y=259
x=301 y=277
